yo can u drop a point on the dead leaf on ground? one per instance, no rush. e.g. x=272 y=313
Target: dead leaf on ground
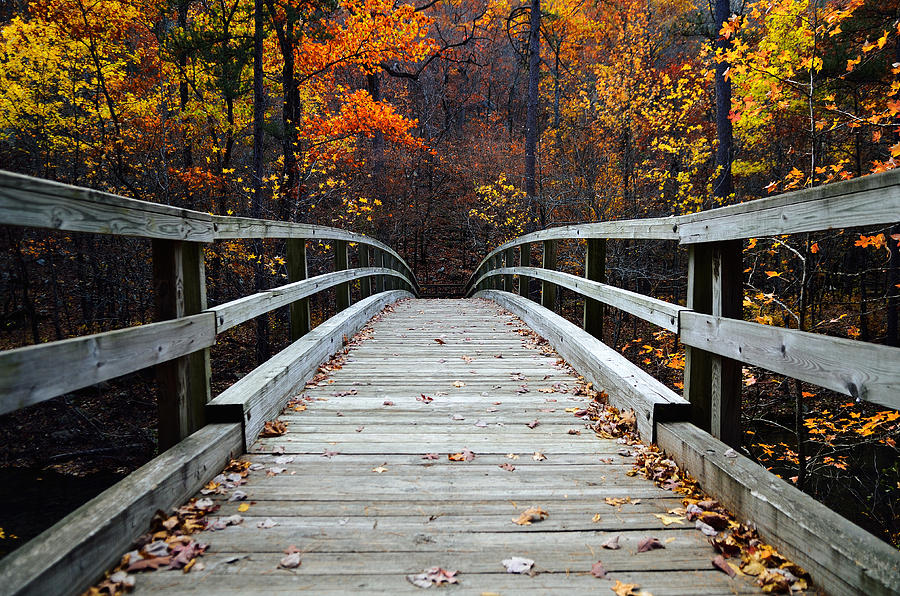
x=508 y=467
x=458 y=384
x=380 y=469
x=538 y=456
x=328 y=453
x=532 y=514
x=512 y=456
x=464 y=455
x=273 y=428
x=624 y=589
x=611 y=543
x=721 y=564
x=439 y=340
x=518 y=565
x=668 y=520
x=435 y=576
x=597 y=570
x=596 y=519
x=533 y=424
x=573 y=431
x=387 y=403
x=424 y=398
x=267 y=523
x=291 y=561
x=648 y=544
x=430 y=456
x=617 y=501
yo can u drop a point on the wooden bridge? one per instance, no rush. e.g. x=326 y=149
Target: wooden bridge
x=444 y=420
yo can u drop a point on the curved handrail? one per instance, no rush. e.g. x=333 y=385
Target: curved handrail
x=34 y=202
x=864 y=201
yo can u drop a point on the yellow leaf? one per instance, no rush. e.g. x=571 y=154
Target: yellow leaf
x=243 y=507
x=773 y=274
x=669 y=519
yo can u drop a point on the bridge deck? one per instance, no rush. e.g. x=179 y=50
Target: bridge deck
x=376 y=511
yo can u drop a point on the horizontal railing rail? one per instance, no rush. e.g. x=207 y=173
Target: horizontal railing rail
x=717 y=340
x=178 y=343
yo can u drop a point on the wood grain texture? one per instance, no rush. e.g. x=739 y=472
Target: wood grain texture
x=861 y=370
x=362 y=531
x=74 y=553
x=32 y=374
x=628 y=386
x=260 y=395
x=34 y=202
x=658 y=312
x=243 y=309
x=844 y=559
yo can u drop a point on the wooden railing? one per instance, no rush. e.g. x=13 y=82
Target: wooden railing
x=177 y=344
x=717 y=341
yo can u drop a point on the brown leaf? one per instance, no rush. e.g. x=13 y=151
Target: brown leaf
x=439 y=340
x=508 y=467
x=329 y=454
x=388 y=403
x=573 y=431
x=151 y=564
x=464 y=455
x=273 y=428
x=532 y=514
x=424 y=398
x=538 y=456
x=720 y=564
x=716 y=520
x=624 y=589
x=597 y=570
x=612 y=543
x=708 y=505
x=649 y=543
x=291 y=561
x=430 y=456
x=533 y=424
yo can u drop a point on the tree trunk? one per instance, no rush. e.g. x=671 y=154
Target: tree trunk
x=262 y=328
x=723 y=185
x=531 y=118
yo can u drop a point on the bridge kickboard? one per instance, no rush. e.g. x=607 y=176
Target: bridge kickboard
x=362 y=531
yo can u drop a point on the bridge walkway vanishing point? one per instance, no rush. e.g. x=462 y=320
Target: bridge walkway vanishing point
x=366 y=509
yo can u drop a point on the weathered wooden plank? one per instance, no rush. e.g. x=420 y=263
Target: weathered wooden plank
x=261 y=394
x=297 y=271
x=658 y=312
x=865 y=201
x=843 y=558
x=179 y=290
x=628 y=386
x=861 y=370
x=32 y=374
x=28 y=201
x=74 y=553
x=243 y=309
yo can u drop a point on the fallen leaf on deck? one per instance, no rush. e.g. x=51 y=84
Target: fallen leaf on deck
x=284 y=459
x=668 y=520
x=532 y=514
x=273 y=428
x=457 y=417
x=722 y=565
x=291 y=561
x=424 y=398
x=533 y=424
x=617 y=501
x=328 y=453
x=238 y=495
x=243 y=507
x=359 y=429
x=464 y=455
x=518 y=565
x=508 y=467
x=512 y=456
x=707 y=529
x=538 y=456
x=481 y=424
x=612 y=543
x=624 y=589
x=430 y=456
x=649 y=543
x=439 y=340
x=275 y=471
x=267 y=523
x=716 y=520
x=433 y=577
x=596 y=519
x=573 y=431
x=730 y=453
x=458 y=384
x=380 y=469
x=772 y=581
x=151 y=564
x=597 y=570
x=388 y=403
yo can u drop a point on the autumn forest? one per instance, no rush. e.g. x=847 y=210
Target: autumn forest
x=445 y=128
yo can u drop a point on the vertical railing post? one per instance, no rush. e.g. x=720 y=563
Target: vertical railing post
x=712 y=383
x=548 y=289
x=297 y=271
x=365 y=283
x=525 y=261
x=179 y=279
x=594 y=270
x=340 y=264
x=379 y=262
x=510 y=262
